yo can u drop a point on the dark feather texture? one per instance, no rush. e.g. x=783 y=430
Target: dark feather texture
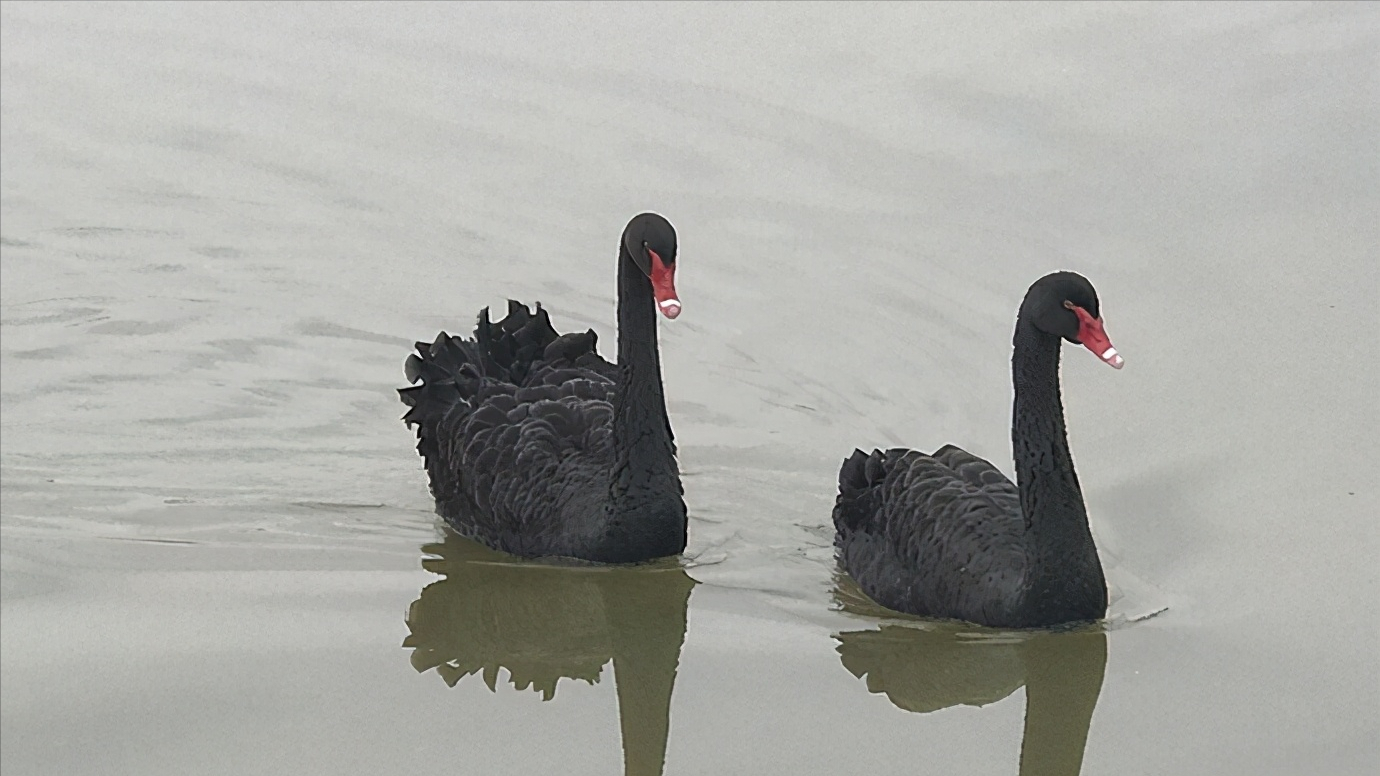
x=517 y=445
x=899 y=510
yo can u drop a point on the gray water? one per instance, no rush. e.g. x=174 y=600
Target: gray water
x=223 y=226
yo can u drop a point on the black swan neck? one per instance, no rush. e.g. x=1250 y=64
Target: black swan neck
x=1065 y=572
x=647 y=513
x=1044 y=466
x=637 y=346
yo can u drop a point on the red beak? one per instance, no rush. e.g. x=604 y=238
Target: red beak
x=664 y=286
x=1093 y=336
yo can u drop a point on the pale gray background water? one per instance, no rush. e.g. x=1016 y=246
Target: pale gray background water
x=224 y=224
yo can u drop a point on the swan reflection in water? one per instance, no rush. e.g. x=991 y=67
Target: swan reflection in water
x=929 y=666
x=542 y=622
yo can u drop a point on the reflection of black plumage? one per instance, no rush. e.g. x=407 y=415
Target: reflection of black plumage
x=536 y=445
x=948 y=535
x=541 y=623
x=488 y=614
x=927 y=669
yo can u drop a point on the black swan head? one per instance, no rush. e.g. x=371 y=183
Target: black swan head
x=1065 y=304
x=651 y=242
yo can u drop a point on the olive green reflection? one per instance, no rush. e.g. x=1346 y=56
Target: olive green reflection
x=543 y=622
x=931 y=666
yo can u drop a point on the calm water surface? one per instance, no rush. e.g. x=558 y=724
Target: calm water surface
x=223 y=225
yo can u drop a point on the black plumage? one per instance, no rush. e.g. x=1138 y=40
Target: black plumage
x=947 y=535
x=536 y=445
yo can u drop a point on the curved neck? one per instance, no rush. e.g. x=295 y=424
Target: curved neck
x=645 y=487
x=637 y=350
x=1051 y=501
x=1044 y=467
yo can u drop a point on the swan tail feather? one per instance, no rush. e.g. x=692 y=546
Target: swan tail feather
x=444 y=374
x=512 y=347
x=450 y=375
x=857 y=504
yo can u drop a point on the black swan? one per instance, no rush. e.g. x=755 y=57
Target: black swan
x=949 y=536
x=537 y=446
